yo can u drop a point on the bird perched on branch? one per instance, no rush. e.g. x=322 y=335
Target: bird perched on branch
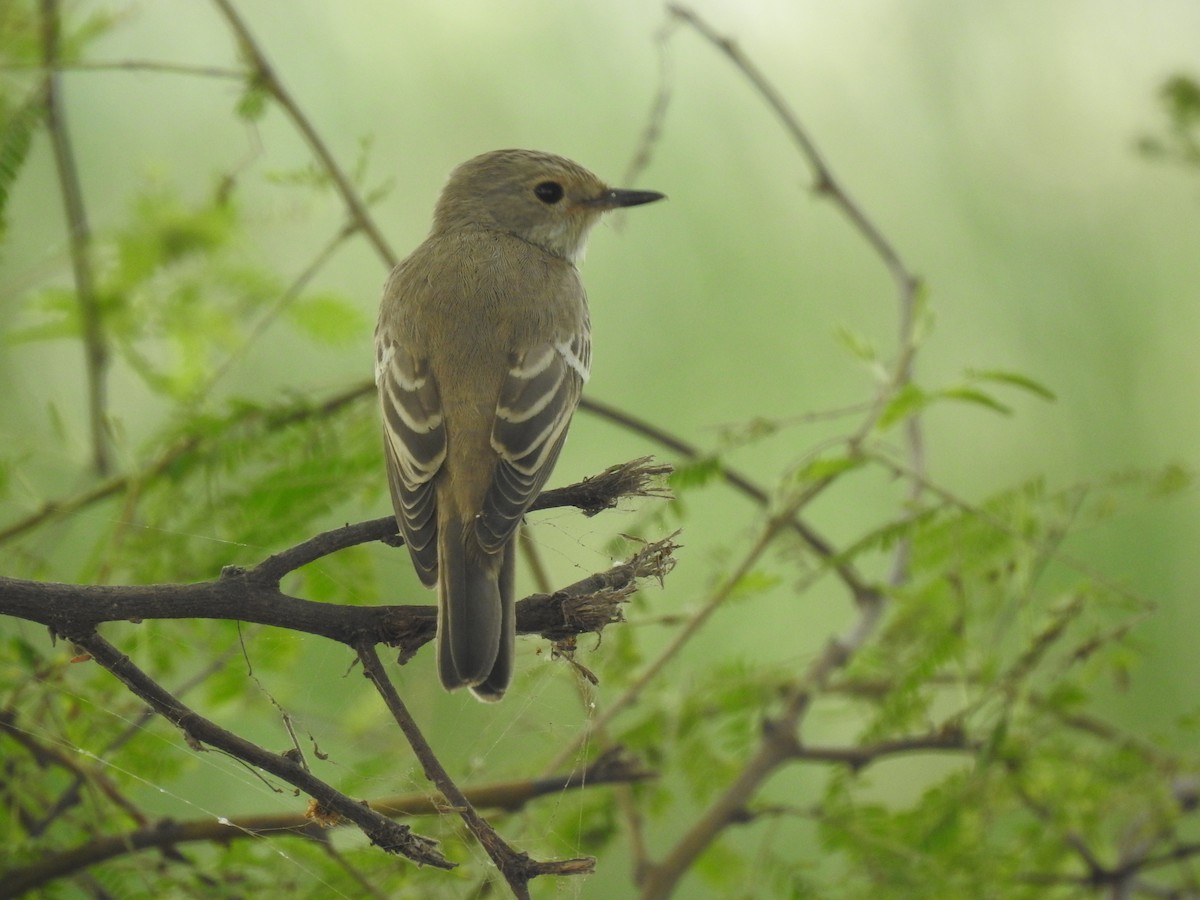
x=482 y=349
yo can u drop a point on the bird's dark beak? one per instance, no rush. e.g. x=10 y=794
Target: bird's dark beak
x=618 y=197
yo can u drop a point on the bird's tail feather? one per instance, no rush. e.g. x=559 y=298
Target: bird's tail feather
x=493 y=687
x=476 y=629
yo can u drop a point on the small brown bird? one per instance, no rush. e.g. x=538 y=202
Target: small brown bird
x=482 y=349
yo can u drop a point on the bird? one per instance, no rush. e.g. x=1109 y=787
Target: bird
x=482 y=349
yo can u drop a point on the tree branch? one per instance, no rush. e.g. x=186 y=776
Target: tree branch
x=824 y=181
x=821 y=547
x=781 y=743
x=779 y=746
x=510 y=796
x=198 y=731
x=263 y=74
x=79 y=234
x=518 y=869
x=253 y=595
x=271 y=418
x=908 y=285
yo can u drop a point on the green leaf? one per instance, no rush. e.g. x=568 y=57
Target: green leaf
x=56 y=316
x=922 y=316
x=16 y=134
x=58 y=329
x=1015 y=379
x=1171 y=480
x=696 y=473
x=826 y=467
x=721 y=865
x=308 y=175
x=857 y=344
x=978 y=397
x=329 y=319
x=78 y=34
x=252 y=104
x=1181 y=97
x=906 y=402
x=754 y=583
x=164 y=231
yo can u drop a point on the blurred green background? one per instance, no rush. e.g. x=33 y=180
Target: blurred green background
x=995 y=144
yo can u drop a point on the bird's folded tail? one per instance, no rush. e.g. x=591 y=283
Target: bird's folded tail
x=476 y=616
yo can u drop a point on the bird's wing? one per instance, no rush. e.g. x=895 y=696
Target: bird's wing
x=537 y=399
x=415 y=441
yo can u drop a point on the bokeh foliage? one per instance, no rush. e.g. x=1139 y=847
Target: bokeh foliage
x=993 y=761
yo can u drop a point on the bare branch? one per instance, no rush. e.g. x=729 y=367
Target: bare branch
x=271 y=418
x=614 y=768
x=517 y=868
x=253 y=595
x=943 y=741
x=908 y=285
x=816 y=543
x=592 y=603
x=95 y=345
x=824 y=181
x=198 y=731
x=264 y=74
x=781 y=742
x=641 y=477
x=136 y=65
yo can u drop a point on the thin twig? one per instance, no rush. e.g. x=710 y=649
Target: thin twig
x=253 y=595
x=616 y=768
x=767 y=534
x=95 y=345
x=272 y=418
x=135 y=65
x=517 y=868
x=823 y=179
x=858 y=758
x=826 y=184
x=815 y=542
x=780 y=743
x=197 y=730
x=264 y=74
x=69 y=797
x=658 y=110
x=779 y=746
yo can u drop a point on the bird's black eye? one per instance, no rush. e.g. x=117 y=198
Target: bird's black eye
x=549 y=192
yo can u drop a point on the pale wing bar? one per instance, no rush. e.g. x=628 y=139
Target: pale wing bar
x=415 y=440
x=536 y=402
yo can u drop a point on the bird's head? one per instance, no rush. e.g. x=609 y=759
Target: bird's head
x=544 y=199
